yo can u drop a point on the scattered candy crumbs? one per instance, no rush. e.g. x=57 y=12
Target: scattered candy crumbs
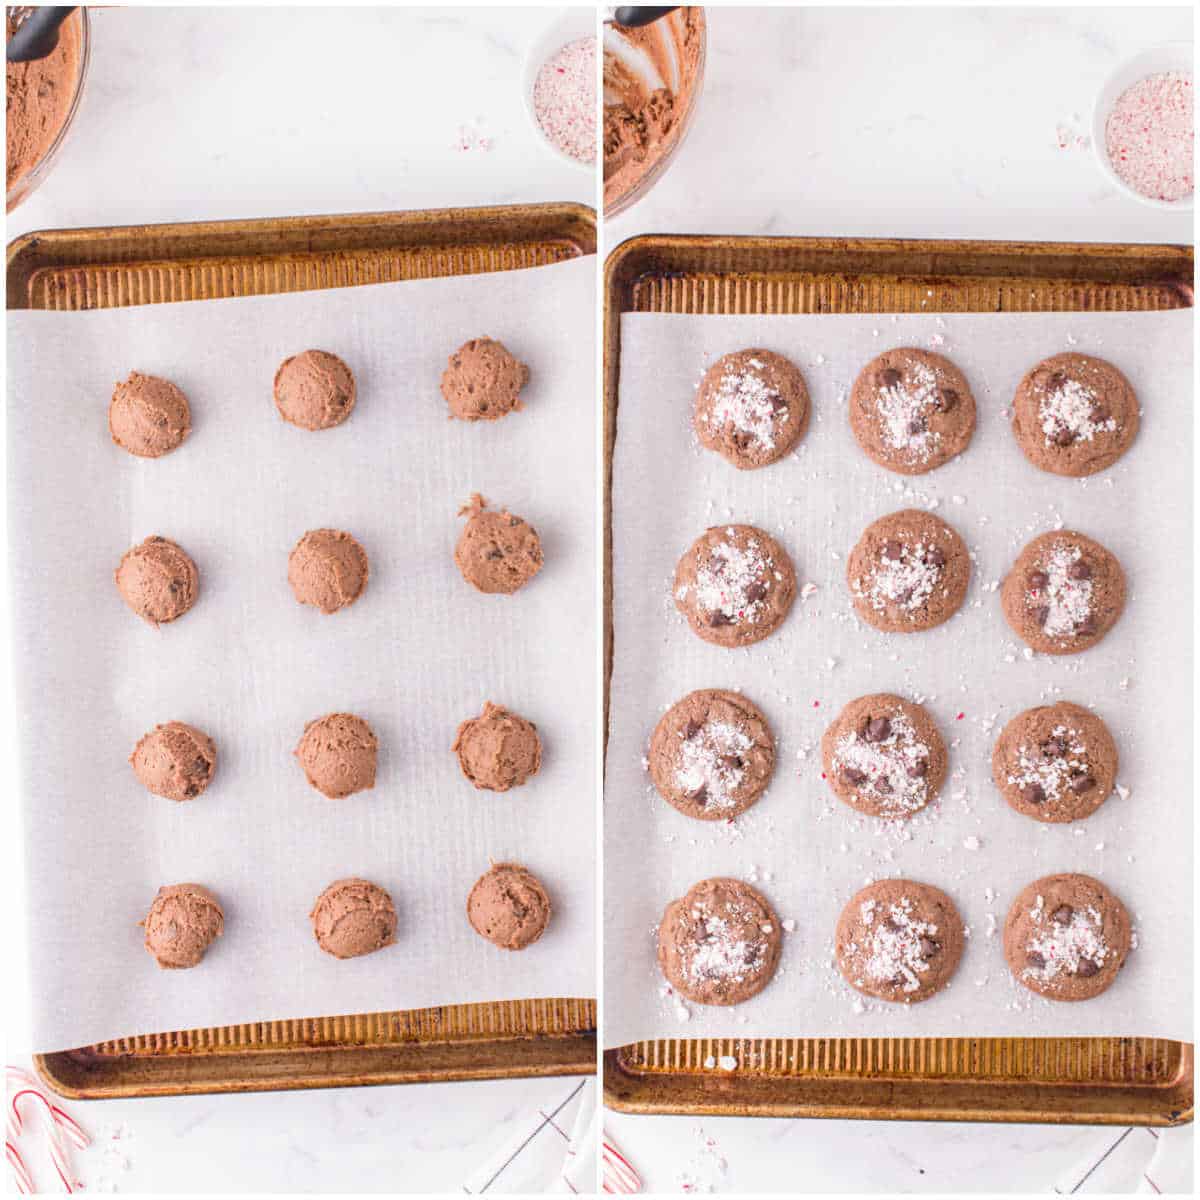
x=564 y=99
x=1149 y=136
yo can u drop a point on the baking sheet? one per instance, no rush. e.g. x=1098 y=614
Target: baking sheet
x=806 y=850
x=418 y=653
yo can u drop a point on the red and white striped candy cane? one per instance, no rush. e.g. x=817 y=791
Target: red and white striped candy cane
x=619 y=1175
x=19 y=1169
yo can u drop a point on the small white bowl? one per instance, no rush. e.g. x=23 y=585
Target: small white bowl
x=1174 y=56
x=571 y=25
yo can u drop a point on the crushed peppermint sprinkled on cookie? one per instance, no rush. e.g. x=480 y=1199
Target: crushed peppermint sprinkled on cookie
x=711 y=766
x=888 y=761
x=904 y=576
x=731 y=585
x=1060 y=594
x=721 y=950
x=1069 y=411
x=1068 y=941
x=1046 y=771
x=898 y=945
x=746 y=402
x=904 y=402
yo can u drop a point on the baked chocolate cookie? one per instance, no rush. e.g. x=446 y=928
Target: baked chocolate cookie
x=712 y=754
x=908 y=572
x=884 y=756
x=735 y=584
x=719 y=943
x=497 y=552
x=1055 y=763
x=752 y=407
x=911 y=410
x=1074 y=414
x=898 y=940
x=1064 y=593
x=1066 y=937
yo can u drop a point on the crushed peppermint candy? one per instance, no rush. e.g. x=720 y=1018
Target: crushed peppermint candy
x=904 y=403
x=709 y=766
x=1070 y=412
x=1149 y=136
x=564 y=99
x=904 y=576
x=733 y=581
x=746 y=403
x=1065 y=940
x=1063 y=589
x=1046 y=770
x=891 y=769
x=898 y=945
x=721 y=951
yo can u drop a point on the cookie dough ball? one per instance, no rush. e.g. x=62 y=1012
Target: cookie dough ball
x=751 y=407
x=158 y=580
x=498 y=750
x=338 y=753
x=497 y=552
x=184 y=920
x=1064 y=593
x=509 y=907
x=1055 y=763
x=314 y=390
x=911 y=410
x=328 y=569
x=898 y=940
x=909 y=572
x=148 y=416
x=483 y=381
x=712 y=754
x=884 y=756
x=1066 y=937
x=175 y=760
x=719 y=943
x=353 y=917
x=735 y=585
x=1074 y=415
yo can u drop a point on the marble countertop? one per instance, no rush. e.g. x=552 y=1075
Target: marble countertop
x=900 y=122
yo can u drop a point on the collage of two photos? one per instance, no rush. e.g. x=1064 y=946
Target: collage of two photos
x=600 y=599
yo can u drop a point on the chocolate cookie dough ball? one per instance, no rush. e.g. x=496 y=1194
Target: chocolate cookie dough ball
x=735 y=585
x=751 y=408
x=884 y=756
x=483 y=381
x=719 y=943
x=314 y=390
x=338 y=754
x=148 y=416
x=909 y=572
x=175 y=760
x=328 y=569
x=912 y=410
x=898 y=940
x=158 y=580
x=353 y=917
x=1066 y=937
x=184 y=920
x=498 y=750
x=712 y=754
x=497 y=552
x=509 y=907
x=1055 y=763
x=1074 y=415
x=1064 y=593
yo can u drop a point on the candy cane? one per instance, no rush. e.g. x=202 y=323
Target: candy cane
x=20 y=1170
x=619 y=1175
x=59 y=1118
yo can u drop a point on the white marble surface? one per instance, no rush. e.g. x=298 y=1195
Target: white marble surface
x=208 y=113
x=909 y=123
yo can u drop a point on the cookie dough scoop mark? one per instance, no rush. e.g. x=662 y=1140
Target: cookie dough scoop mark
x=483 y=381
x=497 y=552
x=328 y=569
x=509 y=906
x=175 y=760
x=498 y=749
x=184 y=920
x=338 y=754
x=158 y=580
x=314 y=390
x=148 y=416
x=353 y=917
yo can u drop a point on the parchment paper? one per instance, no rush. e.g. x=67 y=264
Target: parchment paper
x=417 y=654
x=806 y=850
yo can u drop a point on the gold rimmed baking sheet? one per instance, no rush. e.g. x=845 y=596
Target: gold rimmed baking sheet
x=1117 y=1080
x=69 y=270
